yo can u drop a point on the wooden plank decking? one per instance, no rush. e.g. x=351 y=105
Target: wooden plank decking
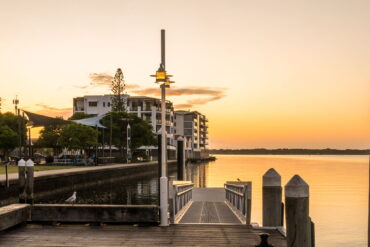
x=209 y=207
x=209 y=213
x=33 y=235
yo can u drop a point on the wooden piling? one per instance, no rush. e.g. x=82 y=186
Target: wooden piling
x=29 y=181
x=272 y=198
x=180 y=158
x=22 y=180
x=297 y=213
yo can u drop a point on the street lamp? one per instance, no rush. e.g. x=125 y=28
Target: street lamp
x=162 y=79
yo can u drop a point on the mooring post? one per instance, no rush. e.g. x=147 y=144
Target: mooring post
x=297 y=213
x=29 y=181
x=22 y=180
x=271 y=199
x=180 y=158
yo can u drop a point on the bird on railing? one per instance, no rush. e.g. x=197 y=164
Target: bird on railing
x=72 y=199
x=238 y=179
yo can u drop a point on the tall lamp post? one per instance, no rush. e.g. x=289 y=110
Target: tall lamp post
x=162 y=79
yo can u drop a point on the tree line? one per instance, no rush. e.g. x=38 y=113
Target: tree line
x=292 y=151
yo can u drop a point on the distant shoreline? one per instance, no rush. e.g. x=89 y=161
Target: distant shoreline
x=292 y=151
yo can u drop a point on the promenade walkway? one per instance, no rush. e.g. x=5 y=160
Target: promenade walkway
x=14 y=176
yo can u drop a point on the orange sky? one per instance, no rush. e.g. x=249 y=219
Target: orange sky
x=266 y=73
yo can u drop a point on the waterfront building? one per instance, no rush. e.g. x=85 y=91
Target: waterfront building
x=147 y=108
x=193 y=126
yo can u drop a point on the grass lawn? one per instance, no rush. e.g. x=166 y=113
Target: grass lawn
x=14 y=169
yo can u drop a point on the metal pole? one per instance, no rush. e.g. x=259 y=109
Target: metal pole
x=163 y=179
x=20 y=134
x=110 y=136
x=23 y=132
x=103 y=143
x=29 y=143
x=163 y=48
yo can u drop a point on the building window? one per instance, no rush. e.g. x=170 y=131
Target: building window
x=103 y=104
x=93 y=103
x=108 y=104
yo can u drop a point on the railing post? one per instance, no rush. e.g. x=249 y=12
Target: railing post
x=244 y=202
x=297 y=213
x=29 y=181
x=249 y=203
x=22 y=180
x=271 y=199
x=171 y=199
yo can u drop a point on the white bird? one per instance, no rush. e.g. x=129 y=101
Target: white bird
x=72 y=199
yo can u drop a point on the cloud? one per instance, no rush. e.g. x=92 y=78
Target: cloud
x=100 y=79
x=183 y=106
x=103 y=80
x=208 y=94
x=54 y=111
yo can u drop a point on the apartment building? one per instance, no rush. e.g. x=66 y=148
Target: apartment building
x=147 y=108
x=194 y=127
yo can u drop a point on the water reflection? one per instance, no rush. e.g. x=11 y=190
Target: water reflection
x=143 y=190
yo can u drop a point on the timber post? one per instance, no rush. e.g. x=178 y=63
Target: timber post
x=298 y=224
x=29 y=181
x=180 y=159
x=22 y=180
x=271 y=199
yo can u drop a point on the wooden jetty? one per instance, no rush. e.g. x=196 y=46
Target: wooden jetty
x=120 y=235
x=198 y=216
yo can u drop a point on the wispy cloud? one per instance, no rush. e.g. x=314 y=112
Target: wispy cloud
x=208 y=94
x=54 y=111
x=183 y=106
x=103 y=80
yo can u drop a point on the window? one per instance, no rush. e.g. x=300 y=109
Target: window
x=93 y=103
x=108 y=104
x=103 y=104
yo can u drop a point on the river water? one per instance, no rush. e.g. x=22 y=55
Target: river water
x=338 y=189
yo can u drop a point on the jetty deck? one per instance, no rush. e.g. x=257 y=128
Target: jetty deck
x=121 y=235
x=209 y=207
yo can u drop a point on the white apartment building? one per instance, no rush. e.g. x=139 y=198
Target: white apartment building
x=194 y=127
x=147 y=108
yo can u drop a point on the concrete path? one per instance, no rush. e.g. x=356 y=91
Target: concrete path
x=14 y=176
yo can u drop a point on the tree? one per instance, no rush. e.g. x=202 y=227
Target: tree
x=80 y=115
x=118 y=86
x=8 y=139
x=49 y=137
x=9 y=124
x=77 y=136
x=141 y=130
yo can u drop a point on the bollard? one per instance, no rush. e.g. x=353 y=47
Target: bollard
x=180 y=158
x=271 y=201
x=264 y=240
x=297 y=212
x=29 y=181
x=22 y=180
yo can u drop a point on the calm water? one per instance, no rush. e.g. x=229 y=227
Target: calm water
x=338 y=190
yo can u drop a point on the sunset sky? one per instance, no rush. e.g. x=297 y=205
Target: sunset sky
x=273 y=74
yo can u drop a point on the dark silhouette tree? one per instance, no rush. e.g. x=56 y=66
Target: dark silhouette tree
x=118 y=87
